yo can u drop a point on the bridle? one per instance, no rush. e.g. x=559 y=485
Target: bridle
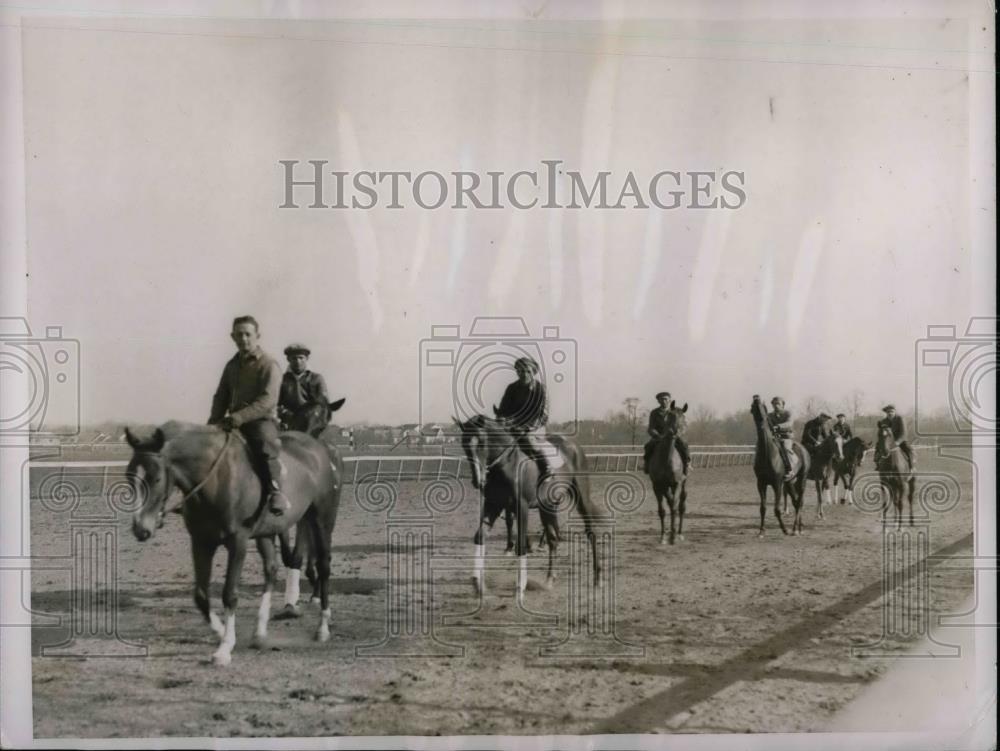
x=169 y=475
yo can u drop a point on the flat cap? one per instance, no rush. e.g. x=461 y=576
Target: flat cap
x=663 y=395
x=526 y=362
x=887 y=407
x=297 y=349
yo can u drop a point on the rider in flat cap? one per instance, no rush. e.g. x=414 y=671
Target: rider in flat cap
x=300 y=388
x=525 y=407
x=895 y=423
x=656 y=430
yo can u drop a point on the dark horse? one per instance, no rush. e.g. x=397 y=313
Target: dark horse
x=222 y=504
x=311 y=419
x=508 y=480
x=895 y=475
x=666 y=472
x=770 y=470
x=821 y=461
x=847 y=464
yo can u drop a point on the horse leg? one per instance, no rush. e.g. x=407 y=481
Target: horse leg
x=320 y=545
x=912 y=487
x=681 y=508
x=508 y=518
x=780 y=493
x=203 y=553
x=291 y=559
x=522 y=550
x=672 y=503
x=819 y=499
x=236 y=546
x=849 y=488
x=479 y=546
x=762 y=491
x=661 y=510
x=265 y=546
x=550 y=530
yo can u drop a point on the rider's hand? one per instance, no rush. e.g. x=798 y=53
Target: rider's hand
x=227 y=423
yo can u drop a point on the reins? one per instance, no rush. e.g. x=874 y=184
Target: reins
x=211 y=470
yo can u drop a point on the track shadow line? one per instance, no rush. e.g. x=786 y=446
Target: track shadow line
x=750 y=663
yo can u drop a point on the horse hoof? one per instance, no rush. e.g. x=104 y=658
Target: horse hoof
x=509 y=552
x=314 y=600
x=549 y=581
x=222 y=659
x=258 y=642
x=672 y=539
x=287 y=613
x=322 y=636
x=663 y=540
x=680 y=538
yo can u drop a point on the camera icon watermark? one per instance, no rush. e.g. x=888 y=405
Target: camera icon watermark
x=963 y=369
x=46 y=371
x=465 y=376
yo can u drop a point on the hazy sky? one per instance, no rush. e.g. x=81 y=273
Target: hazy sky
x=153 y=187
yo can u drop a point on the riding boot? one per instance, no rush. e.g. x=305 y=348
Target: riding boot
x=646 y=453
x=908 y=451
x=682 y=449
x=277 y=503
x=789 y=474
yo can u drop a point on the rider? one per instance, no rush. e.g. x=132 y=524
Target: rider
x=657 y=427
x=841 y=427
x=815 y=432
x=246 y=400
x=895 y=423
x=780 y=421
x=300 y=388
x=524 y=406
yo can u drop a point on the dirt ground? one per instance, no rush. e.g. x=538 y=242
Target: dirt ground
x=720 y=633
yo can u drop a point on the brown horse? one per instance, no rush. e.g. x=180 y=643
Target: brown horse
x=508 y=481
x=821 y=460
x=847 y=463
x=666 y=472
x=222 y=504
x=895 y=475
x=313 y=420
x=770 y=471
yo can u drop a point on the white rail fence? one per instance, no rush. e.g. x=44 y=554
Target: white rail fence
x=98 y=476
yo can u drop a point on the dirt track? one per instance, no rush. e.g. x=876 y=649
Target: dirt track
x=737 y=634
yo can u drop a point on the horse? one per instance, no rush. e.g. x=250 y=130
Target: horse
x=507 y=478
x=895 y=475
x=223 y=504
x=770 y=471
x=313 y=420
x=846 y=464
x=821 y=460
x=666 y=472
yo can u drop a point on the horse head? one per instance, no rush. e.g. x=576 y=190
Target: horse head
x=884 y=441
x=484 y=442
x=149 y=477
x=759 y=411
x=676 y=420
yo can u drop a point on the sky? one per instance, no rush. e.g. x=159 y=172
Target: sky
x=153 y=183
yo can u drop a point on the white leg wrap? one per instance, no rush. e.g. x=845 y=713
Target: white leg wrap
x=263 y=615
x=849 y=494
x=224 y=654
x=477 y=571
x=826 y=497
x=522 y=574
x=292 y=586
x=323 y=632
x=216 y=623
